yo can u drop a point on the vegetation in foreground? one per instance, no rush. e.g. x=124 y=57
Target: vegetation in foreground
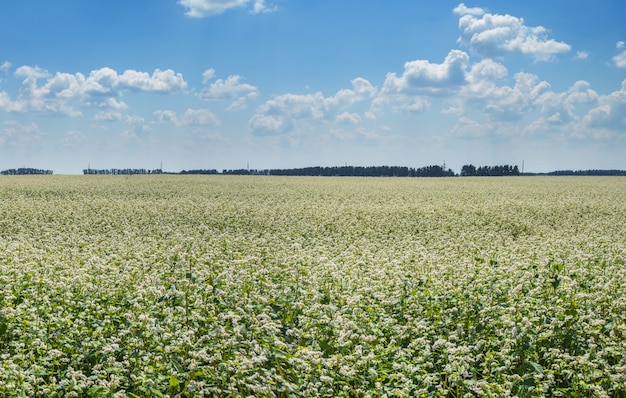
x=241 y=286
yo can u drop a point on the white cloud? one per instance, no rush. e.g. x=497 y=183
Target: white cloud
x=207 y=75
x=424 y=77
x=419 y=105
x=279 y=115
x=5 y=66
x=422 y=80
x=165 y=116
x=263 y=124
x=31 y=72
x=108 y=116
x=7 y=104
x=581 y=55
x=487 y=70
x=486 y=108
x=207 y=8
x=231 y=89
x=461 y=9
x=191 y=117
x=298 y=106
x=498 y=103
x=260 y=7
x=198 y=117
x=511 y=103
x=165 y=81
x=619 y=45
x=620 y=60
x=560 y=108
x=134 y=119
x=347 y=117
x=610 y=114
x=495 y=35
x=66 y=93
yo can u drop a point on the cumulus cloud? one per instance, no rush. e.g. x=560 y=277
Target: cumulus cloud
x=191 y=117
x=165 y=116
x=347 y=117
x=232 y=89
x=66 y=92
x=488 y=107
x=560 y=108
x=422 y=80
x=620 y=59
x=462 y=9
x=259 y=7
x=161 y=81
x=198 y=117
x=279 y=115
x=208 y=75
x=264 y=124
x=494 y=35
x=424 y=77
x=108 y=116
x=6 y=65
x=581 y=55
x=6 y=104
x=134 y=119
x=511 y=103
x=31 y=72
x=486 y=95
x=610 y=114
x=207 y=8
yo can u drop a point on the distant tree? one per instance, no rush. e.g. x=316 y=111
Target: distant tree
x=468 y=170
x=200 y=171
x=498 y=170
x=26 y=171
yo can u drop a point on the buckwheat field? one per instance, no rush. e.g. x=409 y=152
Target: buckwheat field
x=185 y=286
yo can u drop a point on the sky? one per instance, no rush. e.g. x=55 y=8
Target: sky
x=230 y=84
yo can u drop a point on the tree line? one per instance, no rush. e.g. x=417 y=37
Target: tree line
x=25 y=171
x=470 y=170
x=587 y=173
x=369 y=171
x=91 y=171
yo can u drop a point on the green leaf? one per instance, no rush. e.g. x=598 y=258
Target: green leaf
x=556 y=281
x=536 y=367
x=3 y=326
x=177 y=366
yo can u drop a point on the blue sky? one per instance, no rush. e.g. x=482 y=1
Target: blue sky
x=285 y=83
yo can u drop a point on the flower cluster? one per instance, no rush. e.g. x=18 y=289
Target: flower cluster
x=285 y=286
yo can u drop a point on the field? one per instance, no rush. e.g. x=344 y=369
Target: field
x=147 y=286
